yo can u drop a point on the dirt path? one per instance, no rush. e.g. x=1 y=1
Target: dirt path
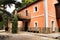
x=22 y=36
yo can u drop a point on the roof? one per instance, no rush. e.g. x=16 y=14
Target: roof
x=28 y=5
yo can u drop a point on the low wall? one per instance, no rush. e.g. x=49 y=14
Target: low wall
x=42 y=30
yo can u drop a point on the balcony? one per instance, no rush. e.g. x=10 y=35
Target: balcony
x=23 y=16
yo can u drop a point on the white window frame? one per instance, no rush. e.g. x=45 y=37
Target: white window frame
x=34 y=8
x=37 y=23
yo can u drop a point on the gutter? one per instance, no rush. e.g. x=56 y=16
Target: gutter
x=46 y=14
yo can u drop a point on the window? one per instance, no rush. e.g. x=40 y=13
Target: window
x=26 y=12
x=52 y=23
x=35 y=24
x=35 y=9
x=53 y=26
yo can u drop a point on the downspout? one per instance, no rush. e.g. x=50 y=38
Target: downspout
x=46 y=14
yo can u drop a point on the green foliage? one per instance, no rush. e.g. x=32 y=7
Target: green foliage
x=5 y=20
x=5 y=16
x=6 y=1
x=1 y=25
x=28 y=1
x=14 y=24
x=25 y=3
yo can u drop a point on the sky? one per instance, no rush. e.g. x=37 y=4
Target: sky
x=19 y=0
x=12 y=8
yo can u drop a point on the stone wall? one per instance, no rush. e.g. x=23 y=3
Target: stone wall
x=42 y=30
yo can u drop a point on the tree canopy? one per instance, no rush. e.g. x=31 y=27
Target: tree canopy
x=28 y=1
x=6 y=1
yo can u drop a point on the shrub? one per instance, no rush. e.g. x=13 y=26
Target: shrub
x=14 y=24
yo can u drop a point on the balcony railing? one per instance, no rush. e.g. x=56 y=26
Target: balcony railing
x=23 y=16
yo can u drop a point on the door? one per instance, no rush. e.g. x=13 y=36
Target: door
x=59 y=29
x=26 y=26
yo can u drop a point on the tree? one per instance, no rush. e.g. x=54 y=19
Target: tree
x=15 y=23
x=28 y=1
x=5 y=22
x=14 y=19
x=58 y=1
x=4 y=16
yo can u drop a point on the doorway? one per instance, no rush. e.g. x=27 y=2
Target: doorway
x=59 y=29
x=25 y=26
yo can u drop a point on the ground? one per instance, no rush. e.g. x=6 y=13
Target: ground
x=27 y=36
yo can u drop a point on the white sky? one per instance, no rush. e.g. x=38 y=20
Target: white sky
x=10 y=9
x=19 y=0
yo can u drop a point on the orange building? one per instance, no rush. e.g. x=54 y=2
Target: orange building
x=40 y=16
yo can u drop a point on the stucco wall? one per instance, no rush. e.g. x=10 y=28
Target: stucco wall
x=52 y=12
x=39 y=15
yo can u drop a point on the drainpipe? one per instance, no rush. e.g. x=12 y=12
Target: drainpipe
x=46 y=14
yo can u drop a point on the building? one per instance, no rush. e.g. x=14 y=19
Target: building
x=40 y=16
x=57 y=6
